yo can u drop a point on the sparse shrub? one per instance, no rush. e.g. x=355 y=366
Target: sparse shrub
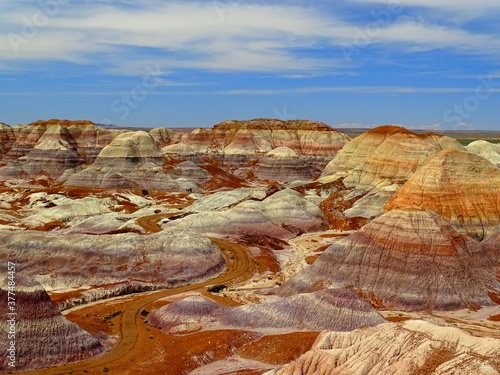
x=217 y=288
x=112 y=315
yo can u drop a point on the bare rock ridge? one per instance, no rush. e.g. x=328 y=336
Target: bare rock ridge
x=373 y=166
x=460 y=186
x=407 y=260
x=7 y=139
x=81 y=153
x=339 y=310
x=132 y=159
x=49 y=148
x=282 y=215
x=386 y=155
x=487 y=150
x=44 y=337
x=87 y=137
x=59 y=261
x=246 y=148
x=234 y=138
x=413 y=347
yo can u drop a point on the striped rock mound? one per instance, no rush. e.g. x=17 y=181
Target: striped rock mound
x=331 y=309
x=460 y=186
x=386 y=155
x=487 y=150
x=132 y=159
x=413 y=347
x=407 y=260
x=44 y=337
x=372 y=167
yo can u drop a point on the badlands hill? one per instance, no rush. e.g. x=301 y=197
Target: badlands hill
x=60 y=261
x=318 y=231
x=371 y=167
x=487 y=150
x=406 y=260
x=44 y=337
x=339 y=310
x=413 y=347
x=461 y=187
x=80 y=153
x=259 y=136
x=132 y=159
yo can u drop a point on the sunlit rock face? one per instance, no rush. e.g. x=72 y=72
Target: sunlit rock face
x=408 y=260
x=386 y=155
x=132 y=159
x=44 y=337
x=487 y=150
x=59 y=261
x=263 y=149
x=412 y=347
x=283 y=164
x=372 y=167
x=164 y=136
x=7 y=139
x=460 y=186
x=339 y=310
x=259 y=136
x=84 y=136
x=282 y=215
x=47 y=149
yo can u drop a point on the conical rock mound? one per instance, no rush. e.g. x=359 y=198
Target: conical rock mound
x=332 y=309
x=406 y=259
x=460 y=186
x=44 y=337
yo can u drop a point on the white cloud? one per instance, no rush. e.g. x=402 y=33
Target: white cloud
x=124 y=36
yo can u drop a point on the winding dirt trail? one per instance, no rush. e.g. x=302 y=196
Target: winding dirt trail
x=240 y=266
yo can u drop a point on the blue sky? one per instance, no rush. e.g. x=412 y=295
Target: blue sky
x=418 y=63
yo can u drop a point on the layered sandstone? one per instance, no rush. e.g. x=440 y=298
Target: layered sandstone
x=460 y=186
x=386 y=155
x=372 y=167
x=132 y=159
x=487 y=150
x=164 y=136
x=61 y=261
x=48 y=149
x=86 y=137
x=339 y=310
x=413 y=347
x=263 y=135
x=43 y=336
x=283 y=164
x=282 y=215
x=7 y=139
x=408 y=260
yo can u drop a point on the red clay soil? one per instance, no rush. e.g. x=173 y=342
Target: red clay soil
x=495 y=297
x=311 y=259
x=333 y=208
x=56 y=224
x=266 y=261
x=494 y=318
x=221 y=179
x=279 y=349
